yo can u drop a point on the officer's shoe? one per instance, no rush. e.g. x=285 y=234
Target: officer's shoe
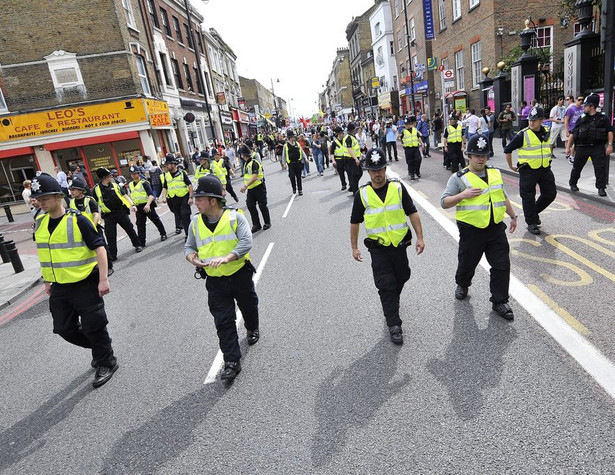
x=268 y=225
x=396 y=335
x=138 y=248
x=103 y=374
x=178 y=230
x=343 y=187
x=574 y=188
x=601 y=192
x=533 y=228
x=504 y=311
x=231 y=370
x=256 y=228
x=253 y=336
x=163 y=237
x=461 y=292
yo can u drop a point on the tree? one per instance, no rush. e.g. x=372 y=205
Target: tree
x=568 y=10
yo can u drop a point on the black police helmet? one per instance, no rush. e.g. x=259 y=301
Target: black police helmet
x=537 y=113
x=134 y=169
x=375 y=159
x=453 y=117
x=78 y=184
x=592 y=100
x=290 y=134
x=44 y=184
x=208 y=185
x=338 y=130
x=249 y=143
x=245 y=151
x=411 y=119
x=215 y=152
x=204 y=154
x=102 y=172
x=351 y=127
x=478 y=145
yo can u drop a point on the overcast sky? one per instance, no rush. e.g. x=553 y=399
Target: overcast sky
x=293 y=41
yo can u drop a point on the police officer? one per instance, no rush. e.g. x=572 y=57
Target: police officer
x=143 y=197
x=259 y=144
x=591 y=132
x=411 y=140
x=115 y=208
x=353 y=155
x=340 y=154
x=454 y=142
x=254 y=184
x=204 y=166
x=74 y=267
x=477 y=192
x=177 y=190
x=294 y=156
x=383 y=205
x=89 y=208
x=221 y=169
x=534 y=167
x=219 y=241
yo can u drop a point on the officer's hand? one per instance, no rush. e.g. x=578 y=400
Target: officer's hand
x=48 y=288
x=609 y=149
x=471 y=192
x=217 y=262
x=356 y=253
x=103 y=287
x=146 y=208
x=134 y=208
x=513 y=225
x=568 y=150
x=446 y=149
x=420 y=246
x=243 y=189
x=190 y=201
x=513 y=168
x=164 y=201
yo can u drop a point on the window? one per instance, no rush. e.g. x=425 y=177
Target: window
x=442 y=10
x=377 y=31
x=188 y=78
x=188 y=37
x=178 y=77
x=152 y=12
x=130 y=18
x=207 y=82
x=200 y=42
x=412 y=30
x=396 y=8
x=459 y=69
x=165 y=71
x=474 y=3
x=178 y=30
x=399 y=40
x=394 y=83
x=3 y=107
x=476 y=63
x=406 y=35
x=199 y=83
x=143 y=75
x=65 y=74
x=456 y=10
x=392 y=45
x=165 y=22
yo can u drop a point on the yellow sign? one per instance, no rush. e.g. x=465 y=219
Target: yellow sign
x=160 y=120
x=158 y=112
x=375 y=83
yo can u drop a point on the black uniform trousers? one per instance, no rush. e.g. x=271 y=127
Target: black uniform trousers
x=294 y=173
x=121 y=217
x=79 y=317
x=491 y=241
x=455 y=159
x=258 y=195
x=391 y=271
x=222 y=292
x=181 y=210
x=392 y=146
x=597 y=153
x=528 y=179
x=341 y=166
x=413 y=160
x=142 y=219
x=229 y=189
x=354 y=174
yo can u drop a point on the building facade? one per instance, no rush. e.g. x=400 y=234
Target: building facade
x=338 y=88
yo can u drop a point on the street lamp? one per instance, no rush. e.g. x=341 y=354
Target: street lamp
x=275 y=105
x=408 y=41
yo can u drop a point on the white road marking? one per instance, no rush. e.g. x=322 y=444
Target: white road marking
x=216 y=366
x=582 y=350
x=290 y=203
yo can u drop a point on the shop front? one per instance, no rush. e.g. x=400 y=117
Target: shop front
x=16 y=166
x=388 y=104
x=242 y=122
x=227 y=125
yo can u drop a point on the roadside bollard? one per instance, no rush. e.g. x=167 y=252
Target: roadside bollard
x=3 y=253
x=9 y=213
x=11 y=250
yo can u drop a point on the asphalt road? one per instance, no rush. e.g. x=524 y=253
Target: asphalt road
x=324 y=390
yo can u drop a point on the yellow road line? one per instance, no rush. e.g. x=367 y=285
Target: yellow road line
x=561 y=311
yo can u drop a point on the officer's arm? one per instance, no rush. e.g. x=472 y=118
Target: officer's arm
x=415 y=220
x=354 y=242
x=566 y=121
x=96 y=219
x=511 y=212
x=190 y=191
x=609 y=145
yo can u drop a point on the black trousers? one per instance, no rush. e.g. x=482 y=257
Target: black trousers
x=354 y=175
x=325 y=156
x=258 y=195
x=426 y=150
x=598 y=156
x=121 y=217
x=491 y=241
x=341 y=166
x=455 y=157
x=393 y=146
x=222 y=292
x=413 y=160
x=181 y=210
x=528 y=179
x=391 y=271
x=294 y=173
x=79 y=317
x=229 y=189
x=142 y=219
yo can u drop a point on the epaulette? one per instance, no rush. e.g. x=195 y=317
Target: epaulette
x=76 y=212
x=394 y=179
x=489 y=166
x=462 y=172
x=365 y=184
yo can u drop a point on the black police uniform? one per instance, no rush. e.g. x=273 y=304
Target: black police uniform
x=80 y=206
x=295 y=166
x=590 y=136
x=257 y=195
x=179 y=204
x=142 y=216
x=340 y=163
x=354 y=171
x=453 y=158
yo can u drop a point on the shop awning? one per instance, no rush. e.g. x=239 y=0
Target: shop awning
x=15 y=152
x=91 y=140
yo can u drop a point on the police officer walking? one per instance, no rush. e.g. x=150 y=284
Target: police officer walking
x=254 y=184
x=591 y=132
x=534 y=167
x=478 y=194
x=353 y=154
x=177 y=190
x=144 y=199
x=219 y=241
x=340 y=154
x=294 y=156
x=454 y=141
x=74 y=267
x=115 y=208
x=411 y=140
x=204 y=167
x=383 y=205
x=221 y=170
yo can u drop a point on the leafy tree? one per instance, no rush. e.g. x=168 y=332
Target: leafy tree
x=567 y=8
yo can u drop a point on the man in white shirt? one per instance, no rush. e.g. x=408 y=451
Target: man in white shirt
x=62 y=179
x=27 y=192
x=557 y=117
x=472 y=123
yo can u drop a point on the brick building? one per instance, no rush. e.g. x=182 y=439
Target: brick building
x=259 y=102
x=338 y=88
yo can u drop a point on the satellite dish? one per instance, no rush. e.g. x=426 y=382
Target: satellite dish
x=379 y=60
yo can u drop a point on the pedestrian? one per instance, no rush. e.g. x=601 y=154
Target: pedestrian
x=324 y=148
x=391 y=141
x=221 y=170
x=492 y=125
x=383 y=205
x=341 y=156
x=353 y=152
x=590 y=134
x=478 y=194
x=557 y=115
x=534 y=167
x=204 y=166
x=144 y=199
x=573 y=112
x=305 y=146
x=424 y=129
x=154 y=177
x=294 y=157
x=362 y=138
x=62 y=179
x=74 y=267
x=78 y=173
x=27 y=193
x=230 y=174
x=472 y=123
x=506 y=119
x=437 y=126
x=411 y=141
x=218 y=243
x=196 y=156
x=254 y=185
x=316 y=153
x=523 y=114
x=454 y=143
x=177 y=189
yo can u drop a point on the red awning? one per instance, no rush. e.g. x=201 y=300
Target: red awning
x=91 y=141
x=456 y=93
x=15 y=152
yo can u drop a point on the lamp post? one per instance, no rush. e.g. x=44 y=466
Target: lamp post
x=410 y=60
x=275 y=105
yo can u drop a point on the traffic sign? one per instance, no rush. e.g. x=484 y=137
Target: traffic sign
x=441 y=67
x=375 y=83
x=448 y=74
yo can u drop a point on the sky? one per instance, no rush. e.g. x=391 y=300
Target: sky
x=293 y=41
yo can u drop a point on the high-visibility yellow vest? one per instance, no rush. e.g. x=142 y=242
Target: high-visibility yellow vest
x=454 y=134
x=259 y=137
x=99 y=197
x=137 y=192
x=87 y=210
x=355 y=147
x=175 y=185
x=201 y=171
x=218 y=243
x=340 y=150
x=248 y=175
x=535 y=153
x=220 y=170
x=385 y=222
x=63 y=255
x=477 y=211
x=410 y=138
x=286 y=148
